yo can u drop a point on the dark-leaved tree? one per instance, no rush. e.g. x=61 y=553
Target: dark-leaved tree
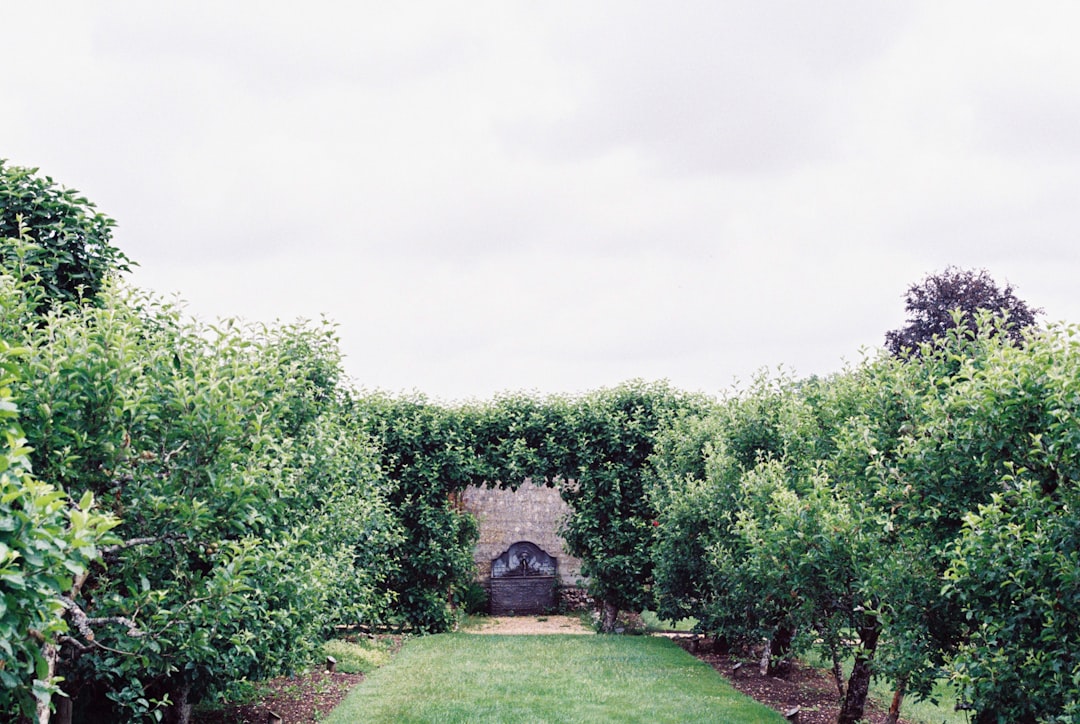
x=932 y=302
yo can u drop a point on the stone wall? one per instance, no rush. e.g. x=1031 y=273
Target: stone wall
x=515 y=596
x=531 y=513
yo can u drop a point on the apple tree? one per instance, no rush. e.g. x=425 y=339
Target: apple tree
x=54 y=237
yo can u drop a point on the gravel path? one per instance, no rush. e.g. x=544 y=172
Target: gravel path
x=530 y=625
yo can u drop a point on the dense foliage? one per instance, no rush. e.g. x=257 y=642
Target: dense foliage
x=53 y=237
x=612 y=524
x=252 y=511
x=248 y=511
x=47 y=543
x=594 y=448
x=1015 y=568
x=918 y=516
x=428 y=457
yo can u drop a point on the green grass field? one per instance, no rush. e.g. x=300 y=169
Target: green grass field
x=653 y=623
x=466 y=678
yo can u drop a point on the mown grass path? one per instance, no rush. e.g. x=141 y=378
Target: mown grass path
x=557 y=678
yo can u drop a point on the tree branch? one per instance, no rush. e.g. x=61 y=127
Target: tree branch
x=131 y=543
x=85 y=624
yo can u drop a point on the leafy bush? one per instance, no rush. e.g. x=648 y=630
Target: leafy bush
x=47 y=544
x=844 y=511
x=53 y=238
x=428 y=458
x=474 y=599
x=1015 y=569
x=253 y=516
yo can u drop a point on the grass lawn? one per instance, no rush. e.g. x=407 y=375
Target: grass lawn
x=360 y=656
x=653 y=623
x=562 y=678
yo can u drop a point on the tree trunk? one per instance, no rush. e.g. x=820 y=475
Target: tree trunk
x=779 y=648
x=859 y=682
x=837 y=671
x=897 y=699
x=180 y=711
x=51 y=654
x=609 y=616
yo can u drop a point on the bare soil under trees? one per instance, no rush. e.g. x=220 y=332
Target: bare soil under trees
x=812 y=690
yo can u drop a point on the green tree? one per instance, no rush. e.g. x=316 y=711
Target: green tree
x=612 y=523
x=1015 y=565
x=691 y=514
x=915 y=457
x=54 y=237
x=47 y=544
x=249 y=501
x=428 y=455
x=815 y=553
x=825 y=510
x=701 y=557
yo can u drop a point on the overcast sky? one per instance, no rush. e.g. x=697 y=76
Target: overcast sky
x=560 y=196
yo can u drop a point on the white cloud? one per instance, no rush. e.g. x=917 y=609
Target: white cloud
x=505 y=195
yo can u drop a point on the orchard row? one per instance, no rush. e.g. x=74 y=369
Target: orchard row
x=186 y=507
